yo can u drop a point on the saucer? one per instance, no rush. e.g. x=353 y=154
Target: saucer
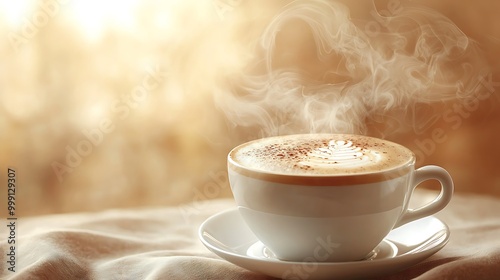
x=227 y=235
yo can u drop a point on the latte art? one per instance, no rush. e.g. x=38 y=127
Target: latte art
x=340 y=153
x=320 y=154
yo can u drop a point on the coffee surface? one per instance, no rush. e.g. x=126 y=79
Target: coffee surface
x=321 y=154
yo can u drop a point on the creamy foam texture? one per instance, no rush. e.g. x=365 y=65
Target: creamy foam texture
x=321 y=154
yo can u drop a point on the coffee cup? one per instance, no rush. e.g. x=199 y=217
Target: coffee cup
x=328 y=197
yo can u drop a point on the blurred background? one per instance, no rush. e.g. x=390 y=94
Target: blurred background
x=108 y=104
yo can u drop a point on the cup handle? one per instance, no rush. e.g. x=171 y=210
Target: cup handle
x=429 y=172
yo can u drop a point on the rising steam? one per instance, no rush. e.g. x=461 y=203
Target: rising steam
x=317 y=68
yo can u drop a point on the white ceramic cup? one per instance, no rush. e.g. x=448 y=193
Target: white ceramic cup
x=330 y=217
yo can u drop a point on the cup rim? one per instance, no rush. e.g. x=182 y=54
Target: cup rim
x=323 y=179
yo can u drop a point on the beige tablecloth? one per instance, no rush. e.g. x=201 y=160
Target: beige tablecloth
x=163 y=244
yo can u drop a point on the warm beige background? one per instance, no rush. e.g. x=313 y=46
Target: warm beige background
x=80 y=71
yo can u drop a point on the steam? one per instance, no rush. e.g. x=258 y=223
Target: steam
x=316 y=68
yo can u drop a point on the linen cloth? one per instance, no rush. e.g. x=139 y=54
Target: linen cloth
x=162 y=243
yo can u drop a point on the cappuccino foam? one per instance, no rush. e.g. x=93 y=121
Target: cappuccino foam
x=321 y=154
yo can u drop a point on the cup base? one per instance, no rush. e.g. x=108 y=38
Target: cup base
x=371 y=256
x=384 y=250
x=322 y=239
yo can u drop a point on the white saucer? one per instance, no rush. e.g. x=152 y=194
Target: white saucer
x=227 y=235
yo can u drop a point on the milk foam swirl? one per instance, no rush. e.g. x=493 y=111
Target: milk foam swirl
x=342 y=154
x=320 y=154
